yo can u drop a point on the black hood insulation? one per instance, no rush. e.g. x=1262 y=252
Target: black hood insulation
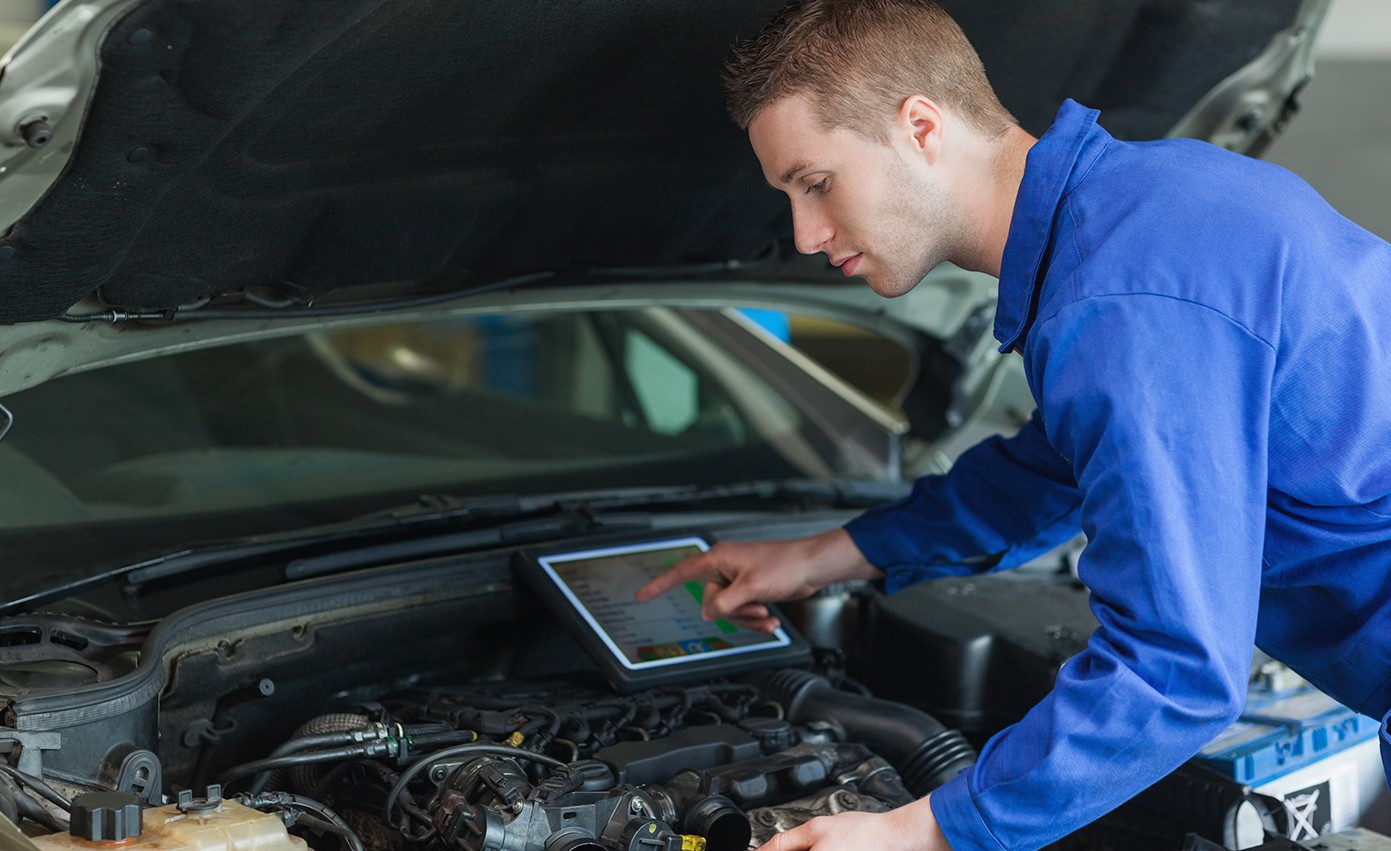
x=308 y=146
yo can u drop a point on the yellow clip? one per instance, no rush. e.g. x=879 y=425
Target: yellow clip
x=515 y=740
x=691 y=842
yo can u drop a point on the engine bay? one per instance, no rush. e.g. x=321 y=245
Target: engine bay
x=441 y=704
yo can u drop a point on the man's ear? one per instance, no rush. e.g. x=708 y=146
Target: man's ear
x=920 y=123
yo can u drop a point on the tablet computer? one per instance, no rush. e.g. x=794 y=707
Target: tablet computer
x=660 y=642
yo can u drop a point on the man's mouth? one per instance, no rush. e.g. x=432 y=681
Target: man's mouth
x=848 y=265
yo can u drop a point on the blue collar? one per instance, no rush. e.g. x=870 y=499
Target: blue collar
x=1049 y=172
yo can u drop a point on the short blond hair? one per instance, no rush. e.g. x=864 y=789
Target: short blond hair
x=858 y=60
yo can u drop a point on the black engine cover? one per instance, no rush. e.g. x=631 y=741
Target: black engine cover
x=975 y=653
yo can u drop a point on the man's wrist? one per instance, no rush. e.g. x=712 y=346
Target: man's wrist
x=917 y=821
x=840 y=559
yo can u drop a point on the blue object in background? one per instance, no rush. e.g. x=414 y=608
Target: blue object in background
x=511 y=351
x=774 y=322
x=1281 y=732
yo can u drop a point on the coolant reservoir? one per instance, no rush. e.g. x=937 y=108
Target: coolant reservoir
x=227 y=826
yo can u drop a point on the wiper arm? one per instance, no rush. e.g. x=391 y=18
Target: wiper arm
x=547 y=518
x=569 y=522
x=428 y=511
x=432 y=526
x=420 y=519
x=577 y=513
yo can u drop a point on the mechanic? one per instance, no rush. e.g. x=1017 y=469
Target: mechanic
x=1209 y=346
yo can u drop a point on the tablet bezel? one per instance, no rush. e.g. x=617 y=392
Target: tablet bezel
x=785 y=648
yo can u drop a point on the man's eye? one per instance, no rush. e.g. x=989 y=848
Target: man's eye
x=819 y=186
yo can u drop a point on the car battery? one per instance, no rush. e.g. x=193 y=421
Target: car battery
x=1299 y=746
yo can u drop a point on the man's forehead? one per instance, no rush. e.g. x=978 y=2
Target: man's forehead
x=786 y=135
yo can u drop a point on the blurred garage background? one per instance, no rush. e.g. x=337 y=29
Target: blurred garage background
x=1341 y=141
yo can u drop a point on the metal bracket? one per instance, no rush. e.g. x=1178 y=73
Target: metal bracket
x=31 y=747
x=141 y=775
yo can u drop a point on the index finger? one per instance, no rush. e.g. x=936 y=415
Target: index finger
x=685 y=570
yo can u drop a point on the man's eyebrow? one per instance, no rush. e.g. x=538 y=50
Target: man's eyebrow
x=799 y=165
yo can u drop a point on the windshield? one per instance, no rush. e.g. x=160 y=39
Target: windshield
x=274 y=433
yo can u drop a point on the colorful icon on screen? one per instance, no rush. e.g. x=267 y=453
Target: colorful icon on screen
x=676 y=649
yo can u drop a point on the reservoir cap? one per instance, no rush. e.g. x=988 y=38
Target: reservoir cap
x=105 y=817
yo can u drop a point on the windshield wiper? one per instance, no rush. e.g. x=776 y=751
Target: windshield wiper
x=564 y=523
x=596 y=508
x=435 y=525
x=421 y=520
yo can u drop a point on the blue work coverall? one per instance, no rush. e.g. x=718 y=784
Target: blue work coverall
x=1209 y=345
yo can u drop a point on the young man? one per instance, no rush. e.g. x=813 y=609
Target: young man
x=1209 y=345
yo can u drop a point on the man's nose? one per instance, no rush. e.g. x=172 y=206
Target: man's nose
x=809 y=231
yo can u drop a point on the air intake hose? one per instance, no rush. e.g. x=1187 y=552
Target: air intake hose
x=926 y=753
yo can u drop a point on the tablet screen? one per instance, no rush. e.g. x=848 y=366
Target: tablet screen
x=663 y=632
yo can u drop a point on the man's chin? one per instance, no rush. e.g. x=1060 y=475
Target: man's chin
x=889 y=287
x=895 y=283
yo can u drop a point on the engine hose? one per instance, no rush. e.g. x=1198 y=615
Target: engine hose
x=426 y=729
x=723 y=825
x=291 y=760
x=331 y=821
x=9 y=799
x=321 y=740
x=454 y=737
x=926 y=753
x=37 y=813
x=303 y=743
x=327 y=826
x=321 y=732
x=37 y=785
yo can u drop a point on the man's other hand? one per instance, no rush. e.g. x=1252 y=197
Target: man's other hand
x=741 y=577
x=908 y=828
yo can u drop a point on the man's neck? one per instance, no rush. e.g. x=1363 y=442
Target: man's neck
x=993 y=199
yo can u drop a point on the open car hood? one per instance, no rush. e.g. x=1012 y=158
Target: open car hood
x=161 y=152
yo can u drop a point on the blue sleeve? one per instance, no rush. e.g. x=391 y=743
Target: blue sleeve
x=1002 y=503
x=1162 y=407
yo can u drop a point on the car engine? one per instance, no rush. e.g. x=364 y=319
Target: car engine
x=565 y=766
x=438 y=706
